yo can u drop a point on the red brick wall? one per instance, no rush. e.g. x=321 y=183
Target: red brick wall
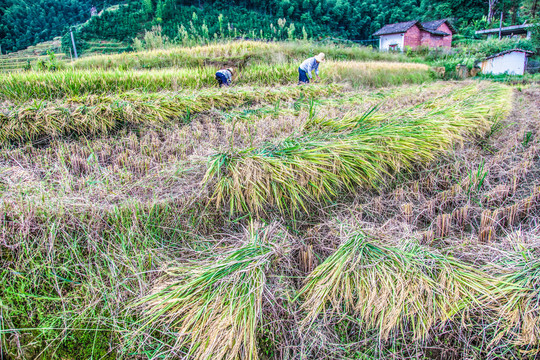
x=426 y=39
x=447 y=40
x=431 y=40
x=413 y=37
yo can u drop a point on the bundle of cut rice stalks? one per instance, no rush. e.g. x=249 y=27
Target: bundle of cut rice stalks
x=333 y=155
x=212 y=308
x=406 y=289
x=101 y=114
x=521 y=310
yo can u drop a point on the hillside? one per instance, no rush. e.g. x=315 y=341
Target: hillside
x=25 y=23
x=212 y=20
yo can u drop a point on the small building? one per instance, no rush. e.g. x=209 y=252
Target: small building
x=514 y=32
x=511 y=62
x=433 y=34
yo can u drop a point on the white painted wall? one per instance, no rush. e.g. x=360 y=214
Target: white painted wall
x=513 y=63
x=386 y=40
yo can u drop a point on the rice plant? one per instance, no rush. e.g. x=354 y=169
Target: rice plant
x=407 y=289
x=237 y=52
x=23 y=86
x=338 y=154
x=213 y=307
x=101 y=114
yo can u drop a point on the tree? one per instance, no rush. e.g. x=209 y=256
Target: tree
x=491 y=10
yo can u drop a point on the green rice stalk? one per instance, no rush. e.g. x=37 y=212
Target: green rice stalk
x=24 y=86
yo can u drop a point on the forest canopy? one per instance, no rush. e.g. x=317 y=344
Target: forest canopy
x=27 y=22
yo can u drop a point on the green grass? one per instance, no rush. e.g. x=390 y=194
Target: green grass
x=66 y=298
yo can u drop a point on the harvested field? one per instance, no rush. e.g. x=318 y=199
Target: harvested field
x=330 y=221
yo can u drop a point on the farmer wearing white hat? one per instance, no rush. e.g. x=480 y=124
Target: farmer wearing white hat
x=309 y=65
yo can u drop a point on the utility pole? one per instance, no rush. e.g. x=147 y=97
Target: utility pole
x=500 y=26
x=500 y=23
x=73 y=41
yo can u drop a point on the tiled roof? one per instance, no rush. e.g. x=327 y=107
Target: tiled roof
x=434 y=25
x=430 y=27
x=436 y=32
x=396 y=28
x=527 y=52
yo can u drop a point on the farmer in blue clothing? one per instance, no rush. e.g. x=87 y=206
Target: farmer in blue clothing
x=309 y=65
x=224 y=77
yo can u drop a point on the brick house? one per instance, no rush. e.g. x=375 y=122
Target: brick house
x=432 y=34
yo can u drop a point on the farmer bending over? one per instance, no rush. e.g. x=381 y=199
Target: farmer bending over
x=224 y=77
x=307 y=67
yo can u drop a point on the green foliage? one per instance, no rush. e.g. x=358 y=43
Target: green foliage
x=535 y=36
x=26 y=23
x=469 y=53
x=351 y=19
x=51 y=64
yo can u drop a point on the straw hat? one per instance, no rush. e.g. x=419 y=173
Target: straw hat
x=320 y=57
x=231 y=70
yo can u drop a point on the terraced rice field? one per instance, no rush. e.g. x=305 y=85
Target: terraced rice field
x=148 y=214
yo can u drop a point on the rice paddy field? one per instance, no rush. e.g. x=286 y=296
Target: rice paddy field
x=146 y=213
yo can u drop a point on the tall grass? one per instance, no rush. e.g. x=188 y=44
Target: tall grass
x=102 y=114
x=394 y=289
x=239 y=53
x=50 y=85
x=330 y=156
x=213 y=308
x=64 y=291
